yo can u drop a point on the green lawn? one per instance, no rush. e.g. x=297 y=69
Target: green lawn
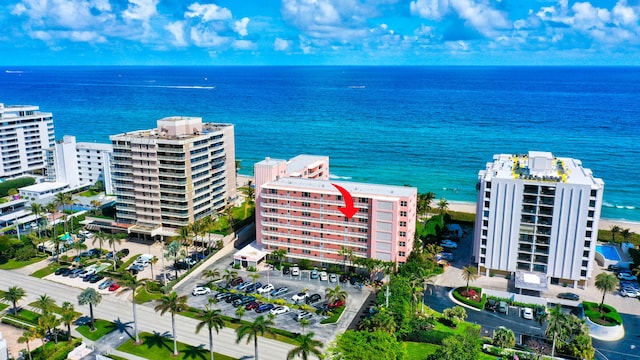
x=55 y=308
x=89 y=193
x=3 y=306
x=144 y=296
x=12 y=264
x=103 y=327
x=418 y=351
x=156 y=346
x=47 y=270
x=334 y=318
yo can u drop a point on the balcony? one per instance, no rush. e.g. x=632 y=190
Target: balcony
x=318 y=230
x=172 y=182
x=311 y=200
x=316 y=220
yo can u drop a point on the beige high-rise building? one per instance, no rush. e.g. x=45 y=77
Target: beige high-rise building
x=168 y=177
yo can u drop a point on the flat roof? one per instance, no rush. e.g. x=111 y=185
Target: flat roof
x=94 y=146
x=301 y=162
x=270 y=162
x=251 y=252
x=45 y=186
x=326 y=186
x=531 y=281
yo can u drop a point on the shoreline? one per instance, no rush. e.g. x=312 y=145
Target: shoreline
x=604 y=224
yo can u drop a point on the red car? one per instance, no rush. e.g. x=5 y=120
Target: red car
x=253 y=305
x=336 y=304
x=114 y=287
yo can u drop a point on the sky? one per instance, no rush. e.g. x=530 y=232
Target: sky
x=319 y=32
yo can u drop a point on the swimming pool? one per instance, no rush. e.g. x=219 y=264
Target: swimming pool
x=609 y=252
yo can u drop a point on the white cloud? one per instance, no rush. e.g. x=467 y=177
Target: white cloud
x=430 y=9
x=86 y=36
x=208 y=12
x=624 y=15
x=204 y=37
x=243 y=45
x=140 y=10
x=281 y=44
x=177 y=30
x=240 y=26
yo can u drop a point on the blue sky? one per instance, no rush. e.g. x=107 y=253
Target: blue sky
x=319 y=32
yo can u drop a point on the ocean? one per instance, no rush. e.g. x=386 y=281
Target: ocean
x=429 y=127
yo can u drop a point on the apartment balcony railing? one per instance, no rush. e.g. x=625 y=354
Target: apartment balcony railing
x=176 y=157
x=172 y=182
x=315 y=239
x=325 y=231
x=172 y=166
x=322 y=211
x=179 y=190
x=315 y=220
x=311 y=200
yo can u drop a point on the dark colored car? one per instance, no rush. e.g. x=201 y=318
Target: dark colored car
x=569 y=296
x=243 y=301
x=181 y=265
x=540 y=312
x=286 y=270
x=353 y=279
x=95 y=278
x=264 y=308
x=279 y=291
x=336 y=304
x=223 y=295
x=236 y=281
x=253 y=287
x=313 y=298
x=491 y=305
x=344 y=278
x=66 y=272
x=252 y=305
x=233 y=297
x=59 y=271
x=322 y=309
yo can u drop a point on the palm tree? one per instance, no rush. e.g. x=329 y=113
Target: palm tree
x=346 y=253
x=13 y=295
x=37 y=209
x=614 y=230
x=100 y=238
x=153 y=261
x=279 y=255
x=211 y=274
x=304 y=323
x=173 y=253
x=96 y=205
x=228 y=276
x=307 y=347
x=40 y=332
x=185 y=236
x=79 y=246
x=64 y=199
x=50 y=321
x=91 y=297
x=240 y=311
x=254 y=277
x=469 y=273
x=51 y=208
x=45 y=303
x=212 y=319
x=251 y=331
x=112 y=241
x=337 y=293
x=27 y=336
x=557 y=323
x=173 y=304
x=132 y=283
x=443 y=206
x=626 y=234
x=605 y=282
x=250 y=191
x=67 y=315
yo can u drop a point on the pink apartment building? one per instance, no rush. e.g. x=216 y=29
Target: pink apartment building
x=297 y=209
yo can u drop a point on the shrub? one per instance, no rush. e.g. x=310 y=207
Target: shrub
x=15 y=184
x=464 y=300
x=25 y=253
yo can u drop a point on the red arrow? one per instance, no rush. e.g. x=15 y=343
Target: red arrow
x=349 y=210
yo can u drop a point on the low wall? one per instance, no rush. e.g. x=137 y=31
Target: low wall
x=605 y=333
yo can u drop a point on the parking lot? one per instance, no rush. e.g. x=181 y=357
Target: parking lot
x=295 y=284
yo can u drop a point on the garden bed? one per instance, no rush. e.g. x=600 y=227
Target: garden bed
x=474 y=297
x=609 y=316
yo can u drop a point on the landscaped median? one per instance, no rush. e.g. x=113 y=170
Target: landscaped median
x=606 y=325
x=471 y=297
x=159 y=346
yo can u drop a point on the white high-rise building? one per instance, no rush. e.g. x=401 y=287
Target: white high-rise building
x=168 y=177
x=537 y=218
x=24 y=133
x=79 y=164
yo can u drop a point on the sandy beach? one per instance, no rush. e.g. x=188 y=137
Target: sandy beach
x=605 y=224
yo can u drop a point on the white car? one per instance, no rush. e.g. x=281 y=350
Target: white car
x=449 y=244
x=323 y=276
x=295 y=271
x=279 y=310
x=201 y=290
x=628 y=292
x=301 y=296
x=266 y=289
x=627 y=277
x=333 y=278
x=527 y=313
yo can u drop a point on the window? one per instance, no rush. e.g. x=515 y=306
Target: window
x=306 y=223
x=306 y=242
x=364 y=200
x=403 y=203
x=273 y=191
x=306 y=233
x=403 y=233
x=308 y=252
x=403 y=213
x=401 y=253
x=306 y=213
x=403 y=223
x=306 y=194
x=402 y=244
x=362 y=230
x=306 y=204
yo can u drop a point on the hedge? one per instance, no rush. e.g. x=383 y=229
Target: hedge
x=514 y=303
x=15 y=184
x=464 y=300
x=592 y=311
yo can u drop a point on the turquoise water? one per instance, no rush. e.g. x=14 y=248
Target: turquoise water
x=609 y=252
x=430 y=127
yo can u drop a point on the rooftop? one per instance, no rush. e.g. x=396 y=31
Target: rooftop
x=353 y=187
x=297 y=164
x=160 y=133
x=539 y=166
x=45 y=186
x=94 y=146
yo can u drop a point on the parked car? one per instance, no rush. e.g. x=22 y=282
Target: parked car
x=491 y=305
x=540 y=312
x=344 y=278
x=313 y=298
x=253 y=305
x=295 y=271
x=266 y=289
x=233 y=298
x=323 y=276
x=74 y=273
x=445 y=256
x=279 y=310
x=569 y=296
x=301 y=296
x=264 y=308
x=114 y=287
x=95 y=278
x=136 y=267
x=449 y=244
x=243 y=301
x=333 y=278
x=59 y=271
x=279 y=291
x=314 y=274
x=244 y=285
x=303 y=315
x=105 y=284
x=66 y=272
x=236 y=281
x=200 y=290
x=503 y=307
x=627 y=277
x=286 y=270
x=614 y=268
x=527 y=313
x=223 y=295
x=336 y=304
x=253 y=287
x=628 y=292
x=122 y=253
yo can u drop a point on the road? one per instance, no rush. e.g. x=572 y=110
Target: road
x=114 y=308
